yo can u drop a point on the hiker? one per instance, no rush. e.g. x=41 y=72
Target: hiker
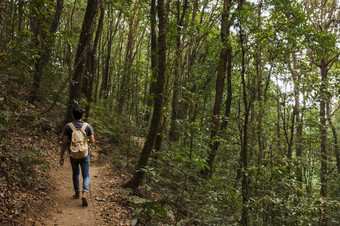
x=76 y=134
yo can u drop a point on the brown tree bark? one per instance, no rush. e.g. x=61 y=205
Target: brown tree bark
x=104 y=91
x=299 y=119
x=42 y=42
x=125 y=91
x=139 y=174
x=260 y=113
x=2 y=22
x=21 y=15
x=91 y=62
x=153 y=15
x=36 y=24
x=173 y=134
x=80 y=60
x=244 y=139
x=323 y=131
x=57 y=15
x=225 y=32
x=335 y=136
x=327 y=20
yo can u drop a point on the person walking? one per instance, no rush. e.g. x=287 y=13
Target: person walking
x=76 y=135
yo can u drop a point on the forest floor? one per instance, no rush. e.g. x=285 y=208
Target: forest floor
x=36 y=190
x=107 y=200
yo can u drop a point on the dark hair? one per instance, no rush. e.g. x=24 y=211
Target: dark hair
x=78 y=113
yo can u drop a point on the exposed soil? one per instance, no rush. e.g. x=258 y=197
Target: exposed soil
x=107 y=200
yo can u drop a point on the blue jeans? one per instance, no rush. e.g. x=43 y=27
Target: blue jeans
x=85 y=171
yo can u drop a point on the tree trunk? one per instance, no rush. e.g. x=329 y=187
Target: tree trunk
x=153 y=60
x=323 y=131
x=36 y=23
x=244 y=143
x=57 y=15
x=139 y=174
x=173 y=134
x=21 y=17
x=91 y=64
x=225 y=32
x=2 y=22
x=125 y=89
x=104 y=91
x=260 y=112
x=296 y=79
x=80 y=60
x=335 y=136
x=42 y=42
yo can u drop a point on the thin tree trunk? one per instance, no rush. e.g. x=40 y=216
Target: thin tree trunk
x=323 y=132
x=244 y=143
x=153 y=59
x=323 y=135
x=335 y=136
x=278 y=127
x=104 y=91
x=43 y=43
x=173 y=135
x=125 y=89
x=97 y=76
x=2 y=22
x=296 y=78
x=56 y=19
x=21 y=16
x=259 y=91
x=225 y=32
x=139 y=174
x=36 y=24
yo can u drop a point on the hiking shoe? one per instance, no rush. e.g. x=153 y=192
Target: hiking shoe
x=84 y=199
x=76 y=195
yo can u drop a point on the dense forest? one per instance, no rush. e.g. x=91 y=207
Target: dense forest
x=236 y=102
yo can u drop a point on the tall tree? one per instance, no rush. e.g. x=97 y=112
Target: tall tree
x=81 y=57
x=335 y=137
x=298 y=112
x=104 y=91
x=153 y=46
x=324 y=19
x=91 y=62
x=2 y=22
x=216 y=118
x=259 y=97
x=21 y=15
x=125 y=86
x=43 y=39
x=173 y=135
x=36 y=24
x=139 y=174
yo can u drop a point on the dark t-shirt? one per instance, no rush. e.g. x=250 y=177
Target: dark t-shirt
x=78 y=124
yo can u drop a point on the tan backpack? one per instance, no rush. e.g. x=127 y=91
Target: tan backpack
x=79 y=146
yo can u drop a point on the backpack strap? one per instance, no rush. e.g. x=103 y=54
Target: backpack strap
x=84 y=126
x=73 y=128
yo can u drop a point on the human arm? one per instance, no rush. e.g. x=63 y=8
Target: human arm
x=63 y=148
x=91 y=139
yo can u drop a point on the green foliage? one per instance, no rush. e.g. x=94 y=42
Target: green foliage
x=146 y=211
x=109 y=126
x=279 y=40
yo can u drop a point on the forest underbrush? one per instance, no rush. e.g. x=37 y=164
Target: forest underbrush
x=29 y=151
x=24 y=149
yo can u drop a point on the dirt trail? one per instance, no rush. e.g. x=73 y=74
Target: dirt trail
x=107 y=201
